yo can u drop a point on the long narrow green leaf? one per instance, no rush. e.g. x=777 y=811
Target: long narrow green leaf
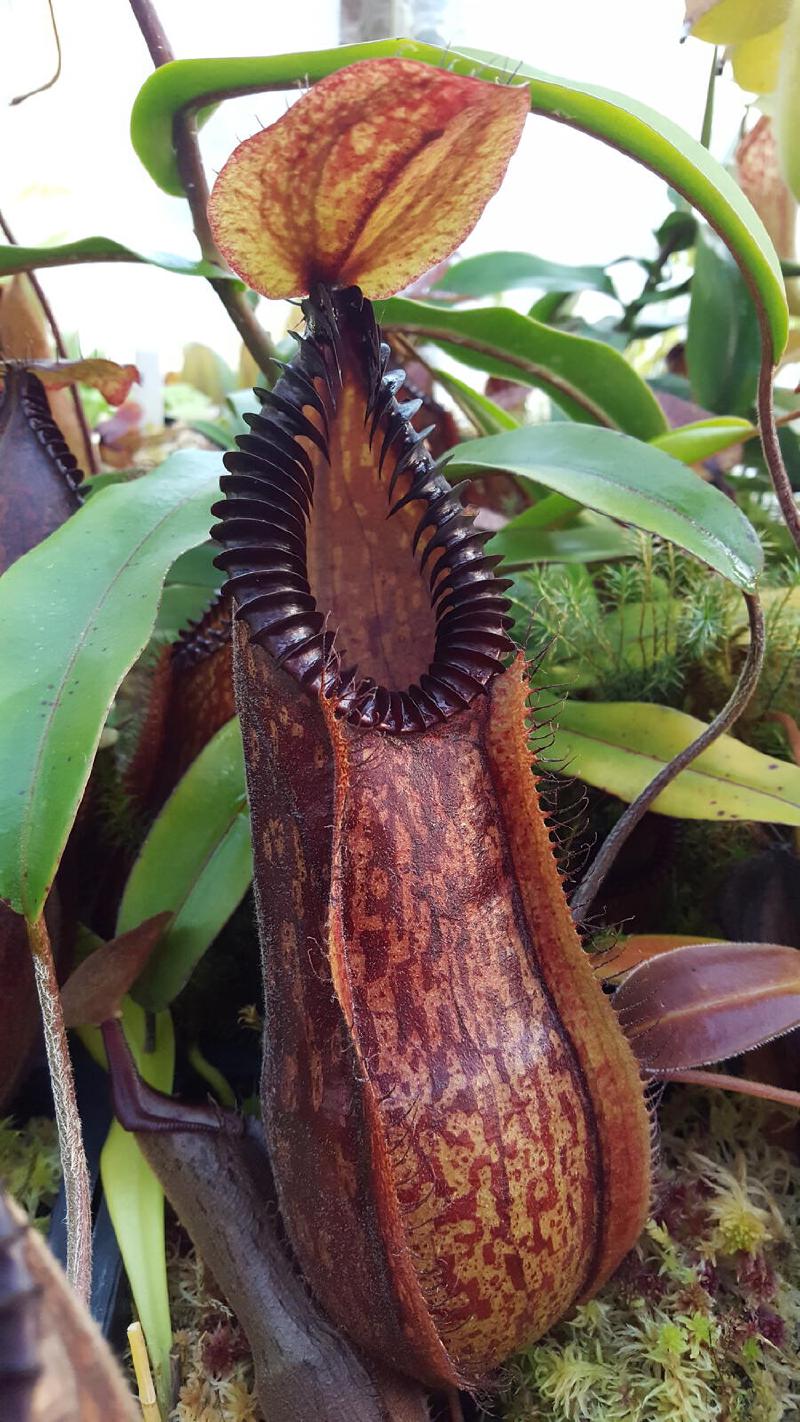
x=487 y=416
x=196 y=861
x=586 y=542
x=491 y=273
x=722 y=337
x=588 y=379
x=629 y=481
x=619 y=746
x=101 y=249
x=704 y=438
x=627 y=125
x=134 y=1196
x=75 y=613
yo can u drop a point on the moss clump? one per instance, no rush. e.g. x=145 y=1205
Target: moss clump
x=702 y=1321
x=214 y=1361
x=30 y=1169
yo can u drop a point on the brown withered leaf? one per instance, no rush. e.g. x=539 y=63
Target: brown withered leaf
x=24 y=337
x=371 y=178
x=707 y=1002
x=112 y=380
x=94 y=991
x=46 y=1327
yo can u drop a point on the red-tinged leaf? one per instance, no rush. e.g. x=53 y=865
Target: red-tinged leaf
x=94 y=992
x=112 y=380
x=708 y=1002
x=758 y=171
x=375 y=175
x=630 y=952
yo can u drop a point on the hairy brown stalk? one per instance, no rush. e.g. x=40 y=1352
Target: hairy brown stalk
x=75 y=1170
x=743 y=690
x=781 y=1095
x=193 y=179
x=61 y=351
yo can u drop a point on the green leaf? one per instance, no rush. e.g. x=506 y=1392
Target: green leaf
x=492 y=273
x=590 y=381
x=522 y=543
x=134 y=1196
x=627 y=125
x=619 y=746
x=703 y=438
x=75 y=613
x=487 y=416
x=102 y=249
x=722 y=343
x=196 y=861
x=633 y=482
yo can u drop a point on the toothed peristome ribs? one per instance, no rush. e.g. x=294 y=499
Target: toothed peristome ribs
x=430 y=628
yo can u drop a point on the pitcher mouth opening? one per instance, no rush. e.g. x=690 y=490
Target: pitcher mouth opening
x=338 y=529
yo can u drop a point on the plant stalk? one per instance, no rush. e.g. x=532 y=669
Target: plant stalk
x=743 y=690
x=781 y=1095
x=193 y=178
x=70 y=1137
x=772 y=453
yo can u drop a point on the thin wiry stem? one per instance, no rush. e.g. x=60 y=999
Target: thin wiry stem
x=193 y=178
x=40 y=88
x=772 y=453
x=781 y=1095
x=75 y=1170
x=61 y=352
x=745 y=686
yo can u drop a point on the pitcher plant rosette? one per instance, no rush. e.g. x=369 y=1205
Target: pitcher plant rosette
x=451 y=1104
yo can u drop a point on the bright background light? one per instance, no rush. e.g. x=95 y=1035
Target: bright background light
x=69 y=169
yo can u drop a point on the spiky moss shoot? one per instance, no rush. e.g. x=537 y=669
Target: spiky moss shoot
x=30 y=1168
x=702 y=1321
x=214 y=1363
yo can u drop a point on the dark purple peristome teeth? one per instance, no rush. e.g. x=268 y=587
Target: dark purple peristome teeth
x=269 y=496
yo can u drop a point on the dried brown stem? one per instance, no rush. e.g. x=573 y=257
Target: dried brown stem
x=70 y=1137
x=193 y=179
x=61 y=351
x=743 y=690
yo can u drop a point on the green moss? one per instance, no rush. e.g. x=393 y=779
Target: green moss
x=702 y=1321
x=30 y=1168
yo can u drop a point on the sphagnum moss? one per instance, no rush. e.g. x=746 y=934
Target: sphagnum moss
x=702 y=1321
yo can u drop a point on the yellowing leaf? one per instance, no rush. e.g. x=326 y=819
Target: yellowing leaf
x=756 y=61
x=731 y=21
x=787 y=108
x=371 y=178
x=620 y=745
